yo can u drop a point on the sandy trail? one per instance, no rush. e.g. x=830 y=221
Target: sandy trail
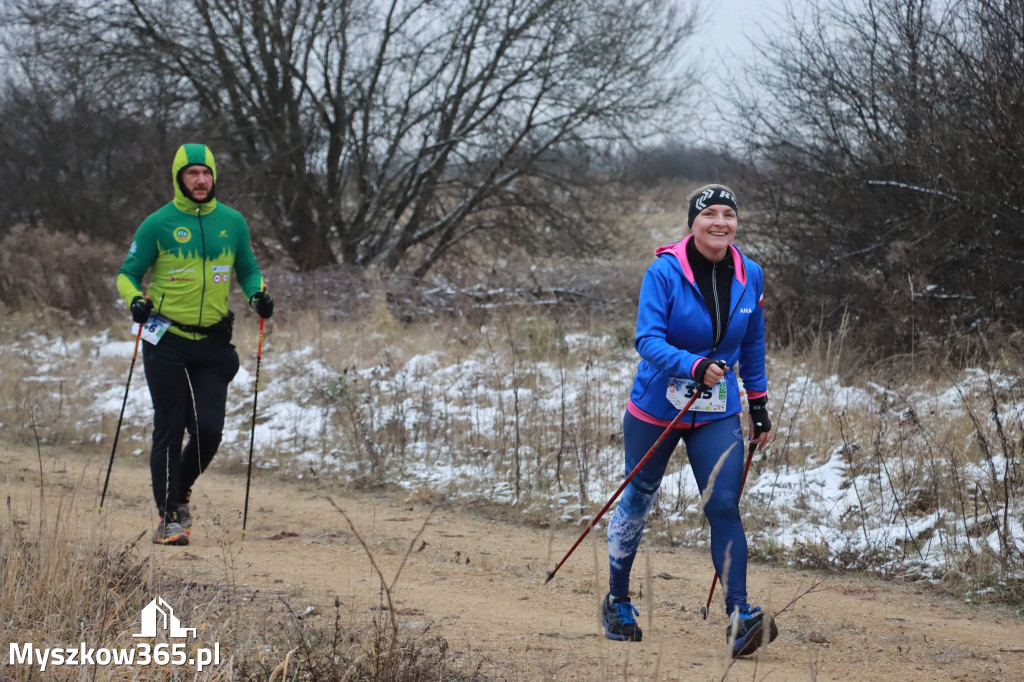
x=481 y=584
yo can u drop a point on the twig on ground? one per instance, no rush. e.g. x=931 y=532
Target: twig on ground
x=814 y=587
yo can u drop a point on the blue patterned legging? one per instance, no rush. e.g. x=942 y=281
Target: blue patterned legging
x=704 y=447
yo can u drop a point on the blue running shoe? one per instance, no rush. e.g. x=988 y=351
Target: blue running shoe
x=619 y=619
x=749 y=624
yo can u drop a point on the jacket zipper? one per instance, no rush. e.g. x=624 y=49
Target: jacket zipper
x=732 y=312
x=202 y=268
x=717 y=338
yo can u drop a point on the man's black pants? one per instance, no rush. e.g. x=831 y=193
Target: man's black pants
x=188 y=382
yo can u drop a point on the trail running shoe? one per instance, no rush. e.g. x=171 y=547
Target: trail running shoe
x=185 y=517
x=619 y=619
x=169 y=532
x=749 y=622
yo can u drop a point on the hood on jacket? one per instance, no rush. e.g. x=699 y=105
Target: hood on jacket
x=190 y=154
x=678 y=249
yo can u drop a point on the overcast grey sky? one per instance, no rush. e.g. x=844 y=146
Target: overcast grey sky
x=721 y=48
x=732 y=26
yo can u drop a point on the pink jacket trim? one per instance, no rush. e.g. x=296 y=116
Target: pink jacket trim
x=644 y=417
x=754 y=395
x=678 y=250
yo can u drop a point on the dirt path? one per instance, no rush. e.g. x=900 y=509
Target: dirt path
x=481 y=583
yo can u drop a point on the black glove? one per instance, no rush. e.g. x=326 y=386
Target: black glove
x=141 y=307
x=702 y=367
x=262 y=303
x=758 y=408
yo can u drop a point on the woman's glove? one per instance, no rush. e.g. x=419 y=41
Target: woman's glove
x=701 y=369
x=758 y=408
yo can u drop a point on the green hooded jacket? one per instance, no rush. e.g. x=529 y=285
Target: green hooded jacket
x=191 y=249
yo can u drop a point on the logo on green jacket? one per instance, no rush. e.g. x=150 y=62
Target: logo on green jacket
x=182 y=235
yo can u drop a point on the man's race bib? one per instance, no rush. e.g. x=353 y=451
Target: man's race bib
x=155 y=328
x=712 y=398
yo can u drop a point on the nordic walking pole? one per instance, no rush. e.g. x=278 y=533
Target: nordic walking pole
x=746 y=468
x=124 y=402
x=622 y=487
x=252 y=432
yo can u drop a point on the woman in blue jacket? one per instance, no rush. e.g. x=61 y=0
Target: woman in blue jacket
x=700 y=314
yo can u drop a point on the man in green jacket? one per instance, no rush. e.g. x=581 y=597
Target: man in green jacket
x=189 y=246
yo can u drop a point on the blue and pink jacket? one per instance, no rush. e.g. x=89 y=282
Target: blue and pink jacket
x=674 y=332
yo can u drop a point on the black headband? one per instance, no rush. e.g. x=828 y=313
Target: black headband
x=710 y=197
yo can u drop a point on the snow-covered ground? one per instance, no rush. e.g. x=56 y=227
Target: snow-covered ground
x=919 y=482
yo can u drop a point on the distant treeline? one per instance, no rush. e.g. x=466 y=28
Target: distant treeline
x=876 y=146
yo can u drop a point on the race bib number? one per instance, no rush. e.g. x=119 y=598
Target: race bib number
x=155 y=328
x=712 y=398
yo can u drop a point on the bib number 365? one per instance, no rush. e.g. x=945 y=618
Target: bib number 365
x=712 y=398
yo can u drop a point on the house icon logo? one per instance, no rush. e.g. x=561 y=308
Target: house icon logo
x=158 y=614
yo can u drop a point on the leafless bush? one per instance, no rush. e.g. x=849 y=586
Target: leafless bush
x=43 y=270
x=885 y=137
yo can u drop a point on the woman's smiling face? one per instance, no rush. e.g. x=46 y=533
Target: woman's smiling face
x=713 y=231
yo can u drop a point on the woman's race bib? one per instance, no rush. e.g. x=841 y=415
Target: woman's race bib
x=712 y=398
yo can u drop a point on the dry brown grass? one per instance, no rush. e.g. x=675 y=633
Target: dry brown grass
x=59 y=588
x=54 y=403
x=46 y=271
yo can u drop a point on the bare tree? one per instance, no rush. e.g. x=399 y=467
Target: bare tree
x=388 y=131
x=886 y=135
x=74 y=152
